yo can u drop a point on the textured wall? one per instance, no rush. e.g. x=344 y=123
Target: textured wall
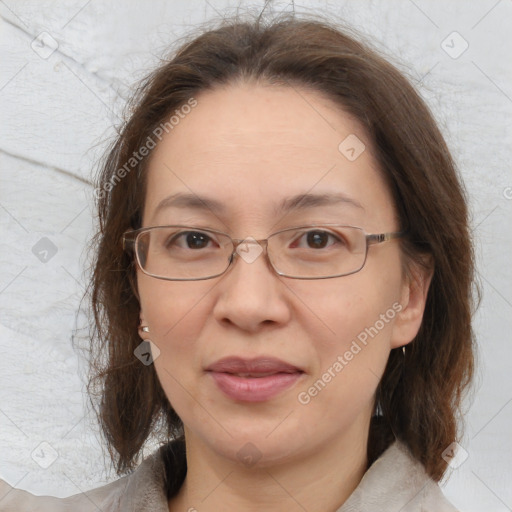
x=66 y=68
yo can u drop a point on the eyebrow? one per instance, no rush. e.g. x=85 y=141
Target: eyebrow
x=297 y=202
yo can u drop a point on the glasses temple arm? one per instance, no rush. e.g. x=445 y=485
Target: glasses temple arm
x=384 y=237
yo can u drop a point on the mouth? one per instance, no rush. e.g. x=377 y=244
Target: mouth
x=253 y=380
x=253 y=367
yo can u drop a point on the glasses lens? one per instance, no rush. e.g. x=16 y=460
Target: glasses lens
x=316 y=252
x=183 y=253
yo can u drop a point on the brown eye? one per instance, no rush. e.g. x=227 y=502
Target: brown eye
x=317 y=239
x=190 y=240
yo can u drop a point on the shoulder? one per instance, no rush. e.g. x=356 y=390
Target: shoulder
x=397 y=481
x=145 y=489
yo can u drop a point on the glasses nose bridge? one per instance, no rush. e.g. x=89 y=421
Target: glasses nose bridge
x=263 y=243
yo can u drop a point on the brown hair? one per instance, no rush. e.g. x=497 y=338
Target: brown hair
x=419 y=396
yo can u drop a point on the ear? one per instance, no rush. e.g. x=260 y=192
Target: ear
x=143 y=333
x=413 y=299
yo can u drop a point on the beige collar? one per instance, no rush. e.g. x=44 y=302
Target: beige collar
x=396 y=482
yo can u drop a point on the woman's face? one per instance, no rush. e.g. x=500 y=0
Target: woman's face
x=249 y=148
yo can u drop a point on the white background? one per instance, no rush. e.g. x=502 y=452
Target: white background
x=59 y=111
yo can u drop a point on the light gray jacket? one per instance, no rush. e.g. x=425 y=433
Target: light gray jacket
x=395 y=482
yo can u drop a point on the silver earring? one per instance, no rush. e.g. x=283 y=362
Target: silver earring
x=145 y=328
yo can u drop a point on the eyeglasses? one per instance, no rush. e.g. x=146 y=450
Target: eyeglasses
x=190 y=253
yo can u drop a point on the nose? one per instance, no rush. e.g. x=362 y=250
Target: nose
x=251 y=295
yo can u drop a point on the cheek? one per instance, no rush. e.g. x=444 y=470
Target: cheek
x=166 y=304
x=176 y=313
x=351 y=328
x=349 y=365
x=340 y=311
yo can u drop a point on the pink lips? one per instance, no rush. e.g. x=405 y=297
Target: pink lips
x=253 y=380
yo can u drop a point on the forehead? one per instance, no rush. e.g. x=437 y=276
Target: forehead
x=251 y=146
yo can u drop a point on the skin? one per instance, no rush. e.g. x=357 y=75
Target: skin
x=249 y=146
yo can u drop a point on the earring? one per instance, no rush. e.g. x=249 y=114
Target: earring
x=145 y=328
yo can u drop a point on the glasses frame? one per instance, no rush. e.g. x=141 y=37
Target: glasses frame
x=129 y=243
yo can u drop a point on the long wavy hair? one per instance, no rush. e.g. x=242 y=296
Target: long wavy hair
x=418 y=400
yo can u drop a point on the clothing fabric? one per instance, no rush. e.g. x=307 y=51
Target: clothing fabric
x=395 y=482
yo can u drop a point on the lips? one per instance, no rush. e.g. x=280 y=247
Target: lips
x=254 y=367
x=253 y=380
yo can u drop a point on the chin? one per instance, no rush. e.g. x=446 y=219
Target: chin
x=253 y=445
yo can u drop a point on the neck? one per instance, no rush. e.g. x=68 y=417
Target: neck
x=317 y=482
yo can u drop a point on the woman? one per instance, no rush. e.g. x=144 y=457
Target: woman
x=282 y=281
